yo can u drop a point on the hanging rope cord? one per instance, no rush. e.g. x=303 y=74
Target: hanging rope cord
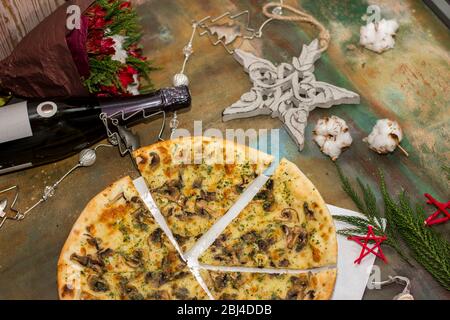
x=300 y=16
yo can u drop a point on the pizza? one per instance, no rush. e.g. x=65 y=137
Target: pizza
x=281 y=246
x=287 y=225
x=116 y=250
x=194 y=184
x=269 y=286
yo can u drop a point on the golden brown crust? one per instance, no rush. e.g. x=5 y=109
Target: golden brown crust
x=67 y=269
x=325 y=284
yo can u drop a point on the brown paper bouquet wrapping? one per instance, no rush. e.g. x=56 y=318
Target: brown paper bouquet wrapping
x=54 y=61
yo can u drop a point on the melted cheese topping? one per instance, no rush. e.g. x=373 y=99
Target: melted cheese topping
x=286 y=226
x=260 y=286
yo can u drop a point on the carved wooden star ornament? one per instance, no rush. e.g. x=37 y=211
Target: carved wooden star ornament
x=287 y=91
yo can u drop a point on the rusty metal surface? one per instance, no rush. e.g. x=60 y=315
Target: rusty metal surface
x=409 y=84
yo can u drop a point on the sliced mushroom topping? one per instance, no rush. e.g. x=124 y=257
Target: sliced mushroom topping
x=283 y=263
x=180 y=239
x=89 y=262
x=128 y=291
x=155 y=160
x=117 y=198
x=157 y=279
x=249 y=237
x=185 y=215
x=105 y=253
x=159 y=295
x=181 y=293
x=83 y=260
x=95 y=242
x=140 y=219
x=311 y=294
x=300 y=280
x=289 y=214
x=228 y=296
x=263 y=195
x=236 y=281
x=167 y=264
x=200 y=209
x=263 y=245
x=240 y=188
x=268 y=198
x=220 y=240
x=135 y=260
x=197 y=184
x=269 y=184
x=302 y=240
x=171 y=190
x=132 y=293
x=308 y=212
x=208 y=196
x=136 y=199
x=155 y=237
x=97 y=284
x=292 y=235
x=220 y=281
x=295 y=294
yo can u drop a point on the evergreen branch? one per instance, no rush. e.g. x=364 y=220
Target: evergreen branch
x=403 y=222
x=427 y=247
x=368 y=207
x=347 y=187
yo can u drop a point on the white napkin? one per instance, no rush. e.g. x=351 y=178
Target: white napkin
x=352 y=278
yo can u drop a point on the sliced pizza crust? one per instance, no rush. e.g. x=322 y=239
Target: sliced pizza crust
x=287 y=225
x=263 y=286
x=195 y=180
x=116 y=250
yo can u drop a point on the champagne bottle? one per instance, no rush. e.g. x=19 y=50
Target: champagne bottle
x=33 y=133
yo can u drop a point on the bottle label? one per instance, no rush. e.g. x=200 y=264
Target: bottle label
x=14 y=122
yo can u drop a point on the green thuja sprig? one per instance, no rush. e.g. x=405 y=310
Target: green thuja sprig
x=403 y=223
x=427 y=247
x=367 y=205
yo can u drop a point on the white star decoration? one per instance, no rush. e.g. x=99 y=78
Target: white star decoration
x=289 y=91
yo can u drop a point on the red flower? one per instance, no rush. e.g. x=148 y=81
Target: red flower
x=96 y=44
x=125 y=5
x=108 y=91
x=126 y=76
x=96 y=11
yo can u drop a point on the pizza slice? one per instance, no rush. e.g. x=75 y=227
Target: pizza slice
x=194 y=181
x=287 y=225
x=264 y=286
x=116 y=250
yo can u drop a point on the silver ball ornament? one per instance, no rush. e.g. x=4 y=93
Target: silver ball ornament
x=87 y=157
x=180 y=79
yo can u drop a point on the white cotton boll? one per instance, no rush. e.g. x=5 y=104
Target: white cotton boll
x=120 y=54
x=379 y=37
x=333 y=136
x=385 y=136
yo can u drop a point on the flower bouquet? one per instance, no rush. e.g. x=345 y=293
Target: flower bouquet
x=86 y=47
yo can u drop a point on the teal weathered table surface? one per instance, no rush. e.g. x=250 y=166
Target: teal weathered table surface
x=409 y=84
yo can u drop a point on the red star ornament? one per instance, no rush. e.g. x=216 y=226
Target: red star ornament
x=441 y=209
x=364 y=241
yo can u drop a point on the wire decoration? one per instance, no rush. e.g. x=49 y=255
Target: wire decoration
x=122 y=137
x=212 y=34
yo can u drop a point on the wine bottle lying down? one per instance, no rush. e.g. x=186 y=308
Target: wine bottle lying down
x=33 y=133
